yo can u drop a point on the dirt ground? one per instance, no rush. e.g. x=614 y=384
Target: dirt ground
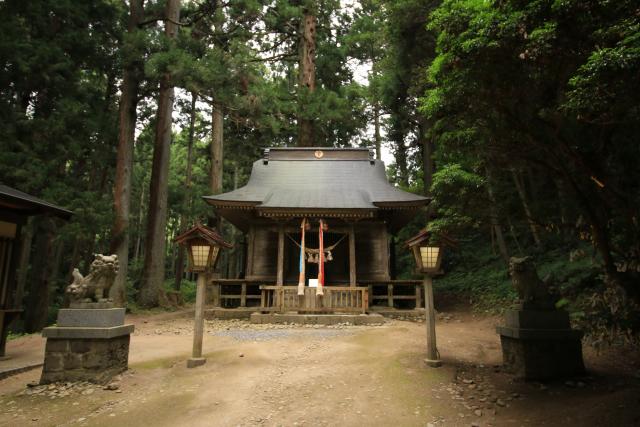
x=326 y=376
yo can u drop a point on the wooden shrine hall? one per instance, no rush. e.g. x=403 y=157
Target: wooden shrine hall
x=348 y=190
x=15 y=208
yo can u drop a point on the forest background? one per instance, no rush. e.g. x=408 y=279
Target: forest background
x=520 y=118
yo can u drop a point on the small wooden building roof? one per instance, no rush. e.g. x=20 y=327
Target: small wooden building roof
x=304 y=181
x=23 y=204
x=209 y=234
x=425 y=236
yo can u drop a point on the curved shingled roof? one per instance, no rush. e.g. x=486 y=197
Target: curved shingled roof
x=322 y=184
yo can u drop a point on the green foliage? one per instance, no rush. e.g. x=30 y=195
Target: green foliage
x=476 y=273
x=451 y=186
x=187 y=289
x=535 y=109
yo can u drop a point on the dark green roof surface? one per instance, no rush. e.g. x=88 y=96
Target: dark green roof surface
x=30 y=205
x=318 y=184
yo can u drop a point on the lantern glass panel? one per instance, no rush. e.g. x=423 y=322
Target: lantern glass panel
x=429 y=257
x=200 y=255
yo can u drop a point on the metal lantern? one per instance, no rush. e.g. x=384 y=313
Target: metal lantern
x=203 y=246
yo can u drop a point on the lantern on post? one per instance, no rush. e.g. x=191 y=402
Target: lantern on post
x=428 y=258
x=202 y=255
x=203 y=247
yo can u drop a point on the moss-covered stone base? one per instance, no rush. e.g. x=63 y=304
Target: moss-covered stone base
x=85 y=359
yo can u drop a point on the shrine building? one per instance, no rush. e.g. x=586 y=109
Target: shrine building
x=347 y=189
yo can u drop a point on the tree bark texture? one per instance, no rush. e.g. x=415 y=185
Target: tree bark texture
x=23 y=261
x=376 y=131
x=217 y=153
x=37 y=308
x=138 y=246
x=151 y=293
x=517 y=180
x=428 y=165
x=187 y=183
x=307 y=76
x=495 y=223
x=122 y=187
x=402 y=171
x=217 y=141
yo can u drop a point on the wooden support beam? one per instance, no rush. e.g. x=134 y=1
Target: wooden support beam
x=243 y=295
x=250 y=250
x=196 y=358
x=216 y=291
x=433 y=358
x=280 y=273
x=352 y=255
x=390 y=296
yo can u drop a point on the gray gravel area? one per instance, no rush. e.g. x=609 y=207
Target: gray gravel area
x=274 y=334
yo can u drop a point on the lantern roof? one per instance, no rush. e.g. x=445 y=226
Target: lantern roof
x=199 y=231
x=425 y=235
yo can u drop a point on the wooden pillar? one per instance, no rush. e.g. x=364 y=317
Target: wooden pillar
x=390 y=296
x=250 y=250
x=198 y=329
x=216 y=289
x=243 y=295
x=280 y=274
x=418 y=297
x=433 y=358
x=352 y=255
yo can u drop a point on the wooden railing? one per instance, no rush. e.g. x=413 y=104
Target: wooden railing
x=261 y=294
x=390 y=292
x=242 y=288
x=336 y=299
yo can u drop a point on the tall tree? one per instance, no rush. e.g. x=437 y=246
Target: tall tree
x=124 y=164
x=306 y=76
x=179 y=268
x=39 y=294
x=217 y=148
x=151 y=293
x=552 y=84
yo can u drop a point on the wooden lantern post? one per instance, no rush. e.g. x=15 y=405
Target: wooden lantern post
x=203 y=246
x=428 y=258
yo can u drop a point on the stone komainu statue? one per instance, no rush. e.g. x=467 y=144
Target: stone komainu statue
x=95 y=286
x=531 y=290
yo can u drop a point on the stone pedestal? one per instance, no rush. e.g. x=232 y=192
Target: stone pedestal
x=88 y=344
x=540 y=344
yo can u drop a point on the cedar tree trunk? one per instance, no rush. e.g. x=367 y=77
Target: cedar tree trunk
x=307 y=76
x=37 y=308
x=151 y=293
x=184 y=218
x=124 y=165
